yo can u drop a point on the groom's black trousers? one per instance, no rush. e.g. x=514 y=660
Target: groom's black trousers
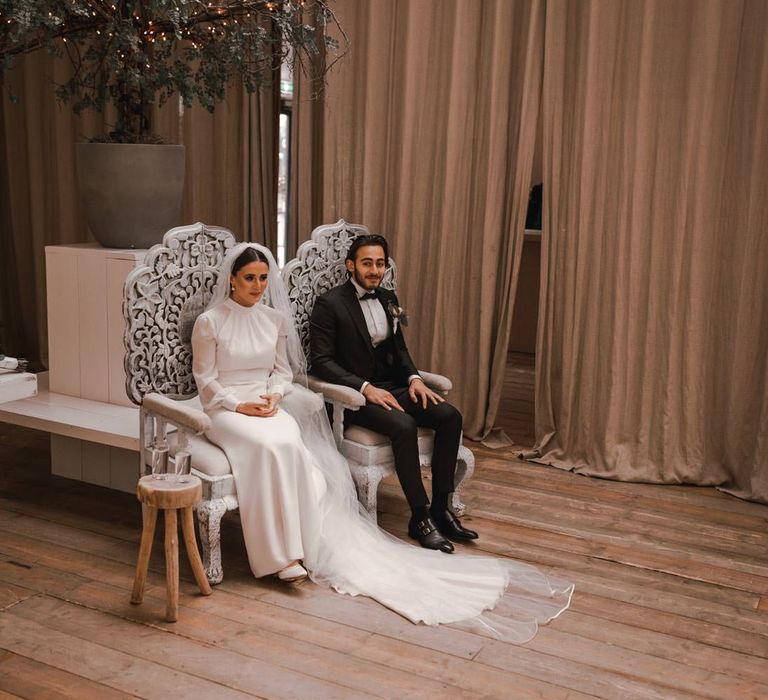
x=401 y=427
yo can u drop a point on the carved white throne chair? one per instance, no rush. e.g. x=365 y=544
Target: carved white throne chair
x=318 y=267
x=162 y=299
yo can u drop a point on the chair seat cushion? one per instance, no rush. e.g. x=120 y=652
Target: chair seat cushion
x=361 y=445
x=205 y=456
x=369 y=438
x=368 y=448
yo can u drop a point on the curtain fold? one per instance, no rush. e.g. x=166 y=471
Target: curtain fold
x=306 y=158
x=231 y=163
x=39 y=197
x=428 y=135
x=231 y=180
x=653 y=332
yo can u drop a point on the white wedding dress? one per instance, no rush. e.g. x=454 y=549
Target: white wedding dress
x=239 y=354
x=297 y=499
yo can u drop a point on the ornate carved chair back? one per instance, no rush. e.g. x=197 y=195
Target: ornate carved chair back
x=162 y=299
x=161 y=302
x=318 y=267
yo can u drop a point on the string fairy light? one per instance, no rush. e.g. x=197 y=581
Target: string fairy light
x=205 y=26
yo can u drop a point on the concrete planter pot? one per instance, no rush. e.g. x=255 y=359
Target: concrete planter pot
x=131 y=193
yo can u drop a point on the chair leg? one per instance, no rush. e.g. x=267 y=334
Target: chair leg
x=209 y=514
x=171 y=565
x=188 y=527
x=465 y=467
x=367 y=484
x=145 y=549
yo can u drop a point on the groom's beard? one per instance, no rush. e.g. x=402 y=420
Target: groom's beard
x=368 y=283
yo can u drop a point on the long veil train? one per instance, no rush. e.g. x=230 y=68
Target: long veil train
x=490 y=595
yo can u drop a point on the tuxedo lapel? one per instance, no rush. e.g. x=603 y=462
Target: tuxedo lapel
x=353 y=306
x=385 y=302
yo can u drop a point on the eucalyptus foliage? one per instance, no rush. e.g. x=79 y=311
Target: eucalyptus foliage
x=137 y=53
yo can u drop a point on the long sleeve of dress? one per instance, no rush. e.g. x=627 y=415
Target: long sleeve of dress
x=281 y=376
x=212 y=393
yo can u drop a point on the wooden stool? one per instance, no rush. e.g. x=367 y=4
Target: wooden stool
x=169 y=495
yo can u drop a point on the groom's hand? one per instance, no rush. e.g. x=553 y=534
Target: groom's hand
x=381 y=397
x=420 y=392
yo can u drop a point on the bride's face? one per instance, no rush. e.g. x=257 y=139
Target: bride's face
x=249 y=283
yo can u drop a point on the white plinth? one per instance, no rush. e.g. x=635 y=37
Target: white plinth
x=94 y=463
x=85 y=355
x=85 y=320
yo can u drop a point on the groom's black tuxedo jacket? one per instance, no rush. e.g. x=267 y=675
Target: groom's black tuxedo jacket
x=340 y=345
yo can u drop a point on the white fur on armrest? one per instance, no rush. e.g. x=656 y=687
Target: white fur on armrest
x=336 y=392
x=177 y=413
x=436 y=382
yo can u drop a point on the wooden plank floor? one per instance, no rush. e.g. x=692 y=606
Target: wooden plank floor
x=671 y=597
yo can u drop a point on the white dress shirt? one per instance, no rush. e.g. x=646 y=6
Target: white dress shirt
x=375 y=316
x=376 y=322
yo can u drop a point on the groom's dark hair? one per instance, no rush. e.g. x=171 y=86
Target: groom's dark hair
x=368 y=239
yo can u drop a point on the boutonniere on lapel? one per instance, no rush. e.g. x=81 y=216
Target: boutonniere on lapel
x=398 y=315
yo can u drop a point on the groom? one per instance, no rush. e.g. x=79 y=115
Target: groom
x=356 y=340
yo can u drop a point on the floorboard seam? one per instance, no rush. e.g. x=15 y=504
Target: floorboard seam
x=6 y=608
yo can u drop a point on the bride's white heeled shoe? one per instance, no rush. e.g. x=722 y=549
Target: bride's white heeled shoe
x=293 y=573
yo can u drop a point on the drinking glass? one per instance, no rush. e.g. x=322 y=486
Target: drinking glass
x=182 y=466
x=160 y=459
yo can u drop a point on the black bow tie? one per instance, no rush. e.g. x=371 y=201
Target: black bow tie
x=369 y=296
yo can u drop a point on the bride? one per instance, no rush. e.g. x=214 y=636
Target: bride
x=298 y=504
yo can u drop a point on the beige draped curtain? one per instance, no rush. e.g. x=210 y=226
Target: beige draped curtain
x=38 y=194
x=232 y=160
x=427 y=136
x=231 y=181
x=652 y=356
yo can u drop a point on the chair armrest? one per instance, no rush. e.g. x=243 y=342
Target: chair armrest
x=436 y=382
x=336 y=392
x=174 y=412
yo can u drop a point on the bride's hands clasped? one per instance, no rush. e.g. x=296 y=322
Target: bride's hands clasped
x=260 y=410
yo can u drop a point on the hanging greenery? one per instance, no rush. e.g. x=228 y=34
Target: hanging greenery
x=138 y=53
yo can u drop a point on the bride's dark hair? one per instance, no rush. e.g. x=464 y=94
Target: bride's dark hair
x=249 y=255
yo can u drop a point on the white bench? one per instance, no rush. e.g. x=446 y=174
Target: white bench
x=110 y=434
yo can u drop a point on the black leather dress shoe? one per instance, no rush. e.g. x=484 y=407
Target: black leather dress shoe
x=448 y=524
x=427 y=534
